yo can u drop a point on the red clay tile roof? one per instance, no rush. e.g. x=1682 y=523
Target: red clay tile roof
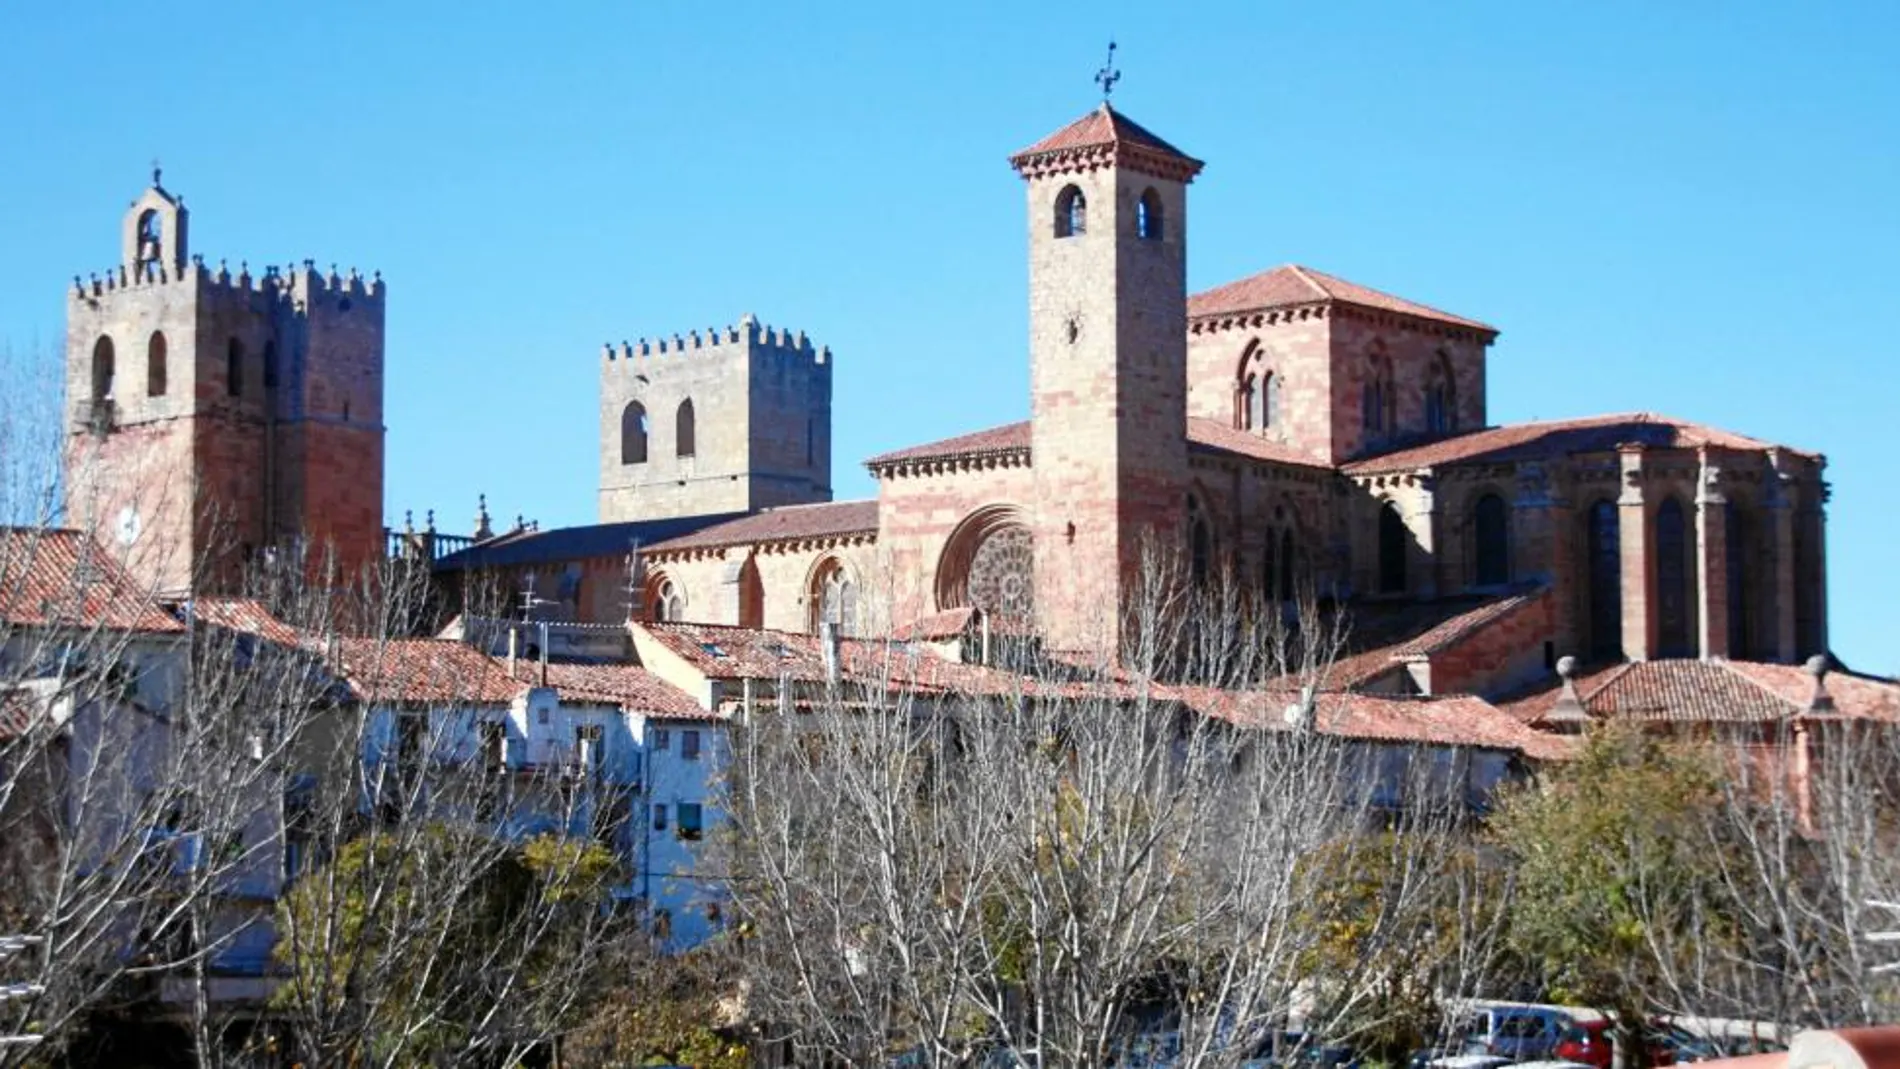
x=1009 y=438
x=1103 y=128
x=1458 y=628
x=423 y=671
x=246 y=615
x=1212 y=434
x=62 y=578
x=1553 y=438
x=628 y=685
x=1455 y=720
x=1014 y=438
x=1293 y=285
x=18 y=709
x=944 y=623
x=1712 y=692
x=790 y=523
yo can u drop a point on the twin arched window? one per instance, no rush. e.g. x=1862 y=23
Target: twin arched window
x=1149 y=217
x=1072 y=212
x=155 y=365
x=669 y=604
x=1276 y=566
x=1258 y=395
x=635 y=430
x=833 y=597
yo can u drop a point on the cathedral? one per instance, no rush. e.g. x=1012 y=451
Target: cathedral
x=1291 y=431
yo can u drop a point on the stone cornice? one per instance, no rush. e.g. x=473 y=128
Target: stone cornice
x=800 y=544
x=986 y=460
x=1129 y=157
x=1321 y=308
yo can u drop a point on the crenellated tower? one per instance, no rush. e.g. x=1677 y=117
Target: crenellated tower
x=219 y=419
x=732 y=420
x=1107 y=214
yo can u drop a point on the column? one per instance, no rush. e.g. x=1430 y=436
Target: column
x=1427 y=532
x=1780 y=524
x=1635 y=548
x=1711 y=530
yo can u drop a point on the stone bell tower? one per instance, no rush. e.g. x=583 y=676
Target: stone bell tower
x=1107 y=204
x=219 y=420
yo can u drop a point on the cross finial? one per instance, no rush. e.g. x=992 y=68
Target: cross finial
x=1108 y=75
x=157 y=173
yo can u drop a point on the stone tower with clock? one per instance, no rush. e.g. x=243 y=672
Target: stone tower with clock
x=220 y=420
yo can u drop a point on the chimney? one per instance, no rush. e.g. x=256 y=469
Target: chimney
x=544 y=654
x=514 y=641
x=1819 y=701
x=828 y=643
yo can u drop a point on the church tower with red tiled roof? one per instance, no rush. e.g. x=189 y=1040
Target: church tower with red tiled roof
x=1107 y=204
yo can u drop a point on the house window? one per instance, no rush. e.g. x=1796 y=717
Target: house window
x=689 y=745
x=1392 y=549
x=155 y=365
x=684 y=429
x=690 y=828
x=1148 y=216
x=234 y=368
x=659 y=818
x=102 y=369
x=1491 y=527
x=633 y=433
x=1071 y=212
x=662 y=738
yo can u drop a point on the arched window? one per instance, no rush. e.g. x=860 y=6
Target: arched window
x=1491 y=538
x=1249 y=402
x=633 y=433
x=102 y=369
x=669 y=604
x=1201 y=548
x=151 y=240
x=1392 y=549
x=751 y=595
x=1740 y=539
x=1672 y=580
x=1270 y=402
x=234 y=368
x=1270 y=569
x=1441 y=397
x=1605 y=552
x=1072 y=212
x=270 y=365
x=1287 y=563
x=155 y=365
x=1148 y=216
x=833 y=597
x=683 y=430
x=1369 y=407
x=1379 y=402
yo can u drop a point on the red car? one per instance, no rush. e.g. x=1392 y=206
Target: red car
x=1587 y=1042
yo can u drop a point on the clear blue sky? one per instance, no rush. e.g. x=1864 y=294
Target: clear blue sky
x=1688 y=208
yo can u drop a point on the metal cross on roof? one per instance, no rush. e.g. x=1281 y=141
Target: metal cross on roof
x=157 y=171
x=1108 y=75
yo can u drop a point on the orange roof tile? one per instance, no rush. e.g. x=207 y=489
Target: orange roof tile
x=1719 y=691
x=62 y=578
x=1453 y=720
x=423 y=671
x=1009 y=438
x=1554 y=438
x=1293 y=285
x=790 y=523
x=246 y=615
x=630 y=686
x=1104 y=129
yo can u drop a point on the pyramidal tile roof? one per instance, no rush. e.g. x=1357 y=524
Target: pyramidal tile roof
x=1095 y=138
x=1291 y=285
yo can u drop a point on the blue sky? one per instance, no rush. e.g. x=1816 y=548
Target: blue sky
x=1686 y=208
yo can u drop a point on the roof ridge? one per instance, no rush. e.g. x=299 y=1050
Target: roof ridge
x=1306 y=276
x=1615 y=673
x=1728 y=666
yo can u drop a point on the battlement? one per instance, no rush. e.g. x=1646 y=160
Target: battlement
x=748 y=332
x=272 y=281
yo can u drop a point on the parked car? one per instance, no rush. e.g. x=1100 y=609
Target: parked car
x=1518 y=1032
x=1588 y=1043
